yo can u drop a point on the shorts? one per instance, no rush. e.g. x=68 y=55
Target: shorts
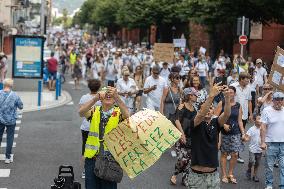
x=255 y=158
x=203 y=180
x=84 y=140
x=52 y=75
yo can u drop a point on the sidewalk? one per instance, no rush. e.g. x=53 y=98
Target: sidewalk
x=47 y=100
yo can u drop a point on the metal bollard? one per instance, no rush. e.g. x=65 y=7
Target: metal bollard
x=60 y=86
x=39 y=93
x=56 y=89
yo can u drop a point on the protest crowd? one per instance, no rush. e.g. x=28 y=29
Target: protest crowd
x=218 y=105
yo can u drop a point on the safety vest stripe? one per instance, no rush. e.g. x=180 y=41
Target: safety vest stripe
x=93 y=134
x=87 y=146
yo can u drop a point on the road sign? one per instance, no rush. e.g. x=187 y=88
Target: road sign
x=243 y=39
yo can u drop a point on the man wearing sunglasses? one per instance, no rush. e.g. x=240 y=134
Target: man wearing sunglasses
x=272 y=138
x=153 y=88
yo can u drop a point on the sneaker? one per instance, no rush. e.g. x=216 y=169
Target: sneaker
x=173 y=153
x=229 y=157
x=255 y=179
x=83 y=175
x=268 y=187
x=248 y=175
x=240 y=160
x=7 y=161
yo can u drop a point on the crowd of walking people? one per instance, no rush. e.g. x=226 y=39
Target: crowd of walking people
x=211 y=102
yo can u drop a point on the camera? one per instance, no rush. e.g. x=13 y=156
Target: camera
x=65 y=179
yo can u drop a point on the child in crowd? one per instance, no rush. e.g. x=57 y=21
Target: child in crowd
x=255 y=152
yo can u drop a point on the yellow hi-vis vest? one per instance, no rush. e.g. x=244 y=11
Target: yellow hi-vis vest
x=73 y=58
x=93 y=143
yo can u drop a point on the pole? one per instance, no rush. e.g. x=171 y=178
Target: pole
x=56 y=89
x=243 y=32
x=39 y=93
x=42 y=16
x=59 y=88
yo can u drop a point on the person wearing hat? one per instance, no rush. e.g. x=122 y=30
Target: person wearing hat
x=127 y=89
x=260 y=75
x=184 y=114
x=272 y=138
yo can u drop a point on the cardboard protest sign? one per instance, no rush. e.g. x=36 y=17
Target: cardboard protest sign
x=164 y=52
x=276 y=76
x=180 y=43
x=137 y=143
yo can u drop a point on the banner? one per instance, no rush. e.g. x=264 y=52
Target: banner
x=276 y=76
x=27 y=56
x=180 y=43
x=138 y=142
x=164 y=52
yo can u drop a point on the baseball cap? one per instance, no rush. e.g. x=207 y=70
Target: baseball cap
x=278 y=95
x=258 y=60
x=190 y=91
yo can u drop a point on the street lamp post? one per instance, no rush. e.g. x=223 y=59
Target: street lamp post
x=173 y=31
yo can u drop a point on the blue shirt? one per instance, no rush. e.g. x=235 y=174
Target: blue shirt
x=8 y=107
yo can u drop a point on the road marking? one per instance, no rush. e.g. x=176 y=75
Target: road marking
x=5 y=172
x=15 y=136
x=4 y=144
x=70 y=103
x=3 y=188
x=2 y=157
x=18 y=122
x=17 y=128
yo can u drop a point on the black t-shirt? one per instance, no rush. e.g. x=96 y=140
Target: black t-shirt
x=204 y=143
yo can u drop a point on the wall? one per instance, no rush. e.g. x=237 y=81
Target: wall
x=272 y=36
x=198 y=36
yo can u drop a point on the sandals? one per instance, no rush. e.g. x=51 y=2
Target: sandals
x=173 y=180
x=232 y=179
x=225 y=180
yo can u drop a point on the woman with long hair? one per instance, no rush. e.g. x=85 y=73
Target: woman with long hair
x=185 y=112
x=202 y=93
x=171 y=96
x=232 y=135
x=191 y=74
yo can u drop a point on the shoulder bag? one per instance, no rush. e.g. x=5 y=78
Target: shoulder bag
x=172 y=117
x=106 y=167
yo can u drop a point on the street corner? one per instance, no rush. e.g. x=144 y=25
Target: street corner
x=48 y=100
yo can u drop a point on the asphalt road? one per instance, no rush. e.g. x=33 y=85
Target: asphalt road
x=50 y=138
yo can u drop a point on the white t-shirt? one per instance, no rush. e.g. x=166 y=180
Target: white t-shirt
x=85 y=126
x=164 y=73
x=260 y=73
x=255 y=142
x=97 y=68
x=218 y=66
x=202 y=68
x=110 y=68
x=274 y=120
x=125 y=87
x=231 y=80
x=243 y=96
x=154 y=97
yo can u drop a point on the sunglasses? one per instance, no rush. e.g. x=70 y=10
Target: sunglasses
x=267 y=88
x=177 y=77
x=156 y=73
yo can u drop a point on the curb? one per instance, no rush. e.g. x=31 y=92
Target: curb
x=66 y=99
